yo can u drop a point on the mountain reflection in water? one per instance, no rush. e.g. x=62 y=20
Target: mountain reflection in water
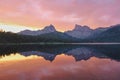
x=60 y=62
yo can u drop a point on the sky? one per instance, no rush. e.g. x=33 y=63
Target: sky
x=63 y=14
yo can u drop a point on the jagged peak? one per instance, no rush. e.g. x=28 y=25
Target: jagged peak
x=50 y=28
x=79 y=27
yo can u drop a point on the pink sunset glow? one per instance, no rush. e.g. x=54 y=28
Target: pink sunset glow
x=64 y=14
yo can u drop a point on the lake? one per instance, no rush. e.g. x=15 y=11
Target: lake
x=60 y=62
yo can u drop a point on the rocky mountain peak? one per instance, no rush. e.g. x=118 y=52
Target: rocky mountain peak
x=50 y=28
x=81 y=28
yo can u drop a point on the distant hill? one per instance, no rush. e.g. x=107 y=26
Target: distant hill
x=110 y=35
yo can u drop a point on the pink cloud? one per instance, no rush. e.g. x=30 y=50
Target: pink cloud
x=62 y=13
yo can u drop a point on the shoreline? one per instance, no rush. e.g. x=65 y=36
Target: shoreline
x=55 y=43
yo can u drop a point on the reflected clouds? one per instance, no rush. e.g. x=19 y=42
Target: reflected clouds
x=63 y=67
x=60 y=62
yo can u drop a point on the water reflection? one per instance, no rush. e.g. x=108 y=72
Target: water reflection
x=49 y=52
x=63 y=62
x=16 y=57
x=62 y=68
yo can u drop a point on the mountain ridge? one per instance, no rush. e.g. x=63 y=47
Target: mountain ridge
x=85 y=33
x=78 y=35
x=81 y=32
x=47 y=29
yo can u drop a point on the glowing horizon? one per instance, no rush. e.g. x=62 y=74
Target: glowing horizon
x=14 y=28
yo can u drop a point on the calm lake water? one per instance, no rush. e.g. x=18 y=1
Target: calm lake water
x=60 y=62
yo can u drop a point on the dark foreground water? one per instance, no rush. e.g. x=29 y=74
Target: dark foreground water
x=60 y=62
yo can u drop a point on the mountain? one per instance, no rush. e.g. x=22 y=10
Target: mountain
x=84 y=32
x=49 y=34
x=112 y=34
x=47 y=29
x=78 y=34
x=57 y=37
x=81 y=32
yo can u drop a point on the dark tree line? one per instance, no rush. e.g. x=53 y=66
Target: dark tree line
x=9 y=37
